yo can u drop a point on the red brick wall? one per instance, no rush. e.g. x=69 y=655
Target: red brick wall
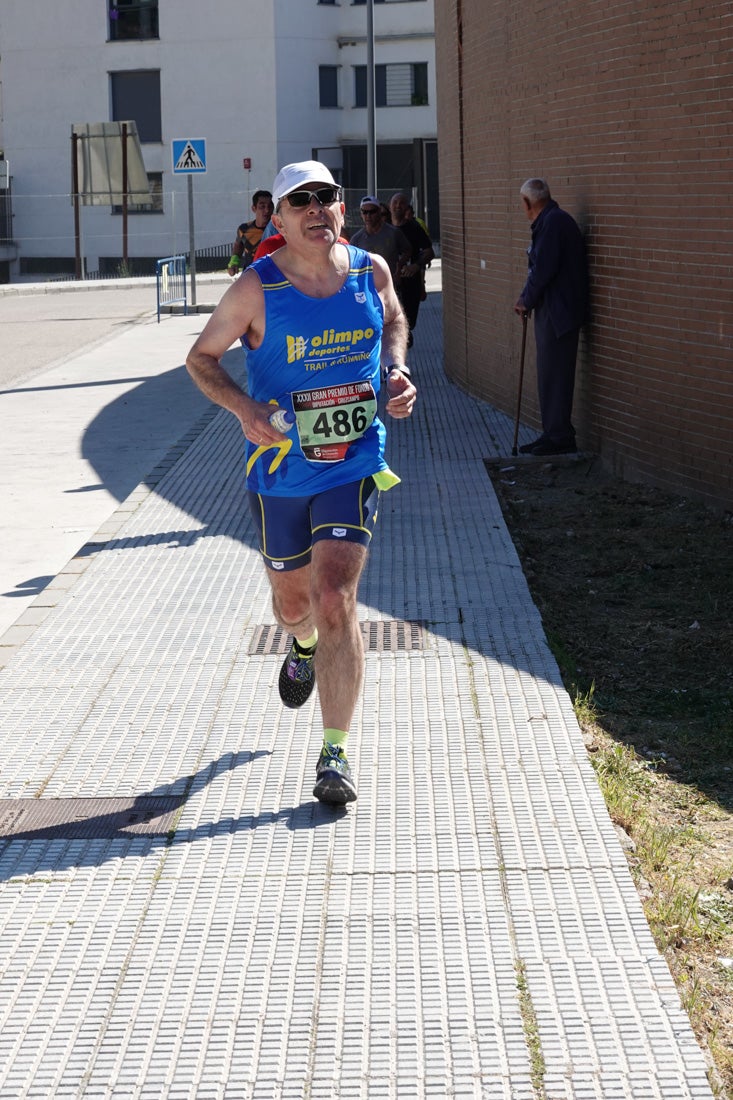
x=627 y=110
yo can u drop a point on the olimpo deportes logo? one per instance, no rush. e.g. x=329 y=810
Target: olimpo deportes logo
x=329 y=343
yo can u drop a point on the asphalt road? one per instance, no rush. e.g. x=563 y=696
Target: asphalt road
x=48 y=328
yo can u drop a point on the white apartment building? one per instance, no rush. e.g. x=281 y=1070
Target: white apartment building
x=262 y=82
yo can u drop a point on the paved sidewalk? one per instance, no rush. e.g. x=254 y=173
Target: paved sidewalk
x=179 y=918
x=79 y=429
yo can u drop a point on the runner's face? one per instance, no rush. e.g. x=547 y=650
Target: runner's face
x=263 y=211
x=314 y=223
x=398 y=207
x=372 y=218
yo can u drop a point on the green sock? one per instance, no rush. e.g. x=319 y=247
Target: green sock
x=336 y=737
x=309 y=643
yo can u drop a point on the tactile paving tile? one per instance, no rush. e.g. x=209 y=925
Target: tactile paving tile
x=267 y=947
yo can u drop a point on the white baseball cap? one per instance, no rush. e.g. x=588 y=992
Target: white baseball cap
x=294 y=176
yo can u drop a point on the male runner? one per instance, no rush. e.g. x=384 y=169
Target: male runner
x=249 y=234
x=322 y=324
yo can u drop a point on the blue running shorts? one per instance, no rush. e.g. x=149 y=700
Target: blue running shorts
x=288 y=526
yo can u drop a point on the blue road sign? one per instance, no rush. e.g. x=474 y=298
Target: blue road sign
x=189 y=156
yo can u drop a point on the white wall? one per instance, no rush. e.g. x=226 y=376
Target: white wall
x=241 y=73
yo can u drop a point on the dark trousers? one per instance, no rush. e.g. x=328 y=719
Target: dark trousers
x=556 y=357
x=409 y=292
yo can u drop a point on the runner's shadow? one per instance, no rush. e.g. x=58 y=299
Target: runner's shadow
x=307 y=815
x=80 y=837
x=121 y=441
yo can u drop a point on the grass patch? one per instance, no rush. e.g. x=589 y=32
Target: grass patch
x=531 y=1031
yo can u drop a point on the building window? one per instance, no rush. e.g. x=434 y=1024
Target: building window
x=155 y=206
x=132 y=19
x=136 y=95
x=328 y=86
x=401 y=85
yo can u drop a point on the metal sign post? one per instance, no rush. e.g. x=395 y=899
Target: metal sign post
x=191 y=240
x=78 y=266
x=189 y=158
x=124 y=198
x=371 y=103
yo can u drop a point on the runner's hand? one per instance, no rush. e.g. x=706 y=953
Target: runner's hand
x=401 y=394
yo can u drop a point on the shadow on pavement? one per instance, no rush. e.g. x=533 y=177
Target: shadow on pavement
x=144 y=823
x=132 y=433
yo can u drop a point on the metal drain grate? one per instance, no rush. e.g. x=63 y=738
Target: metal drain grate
x=392 y=636
x=380 y=636
x=86 y=818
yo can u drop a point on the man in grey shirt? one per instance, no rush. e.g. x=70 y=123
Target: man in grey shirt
x=379 y=236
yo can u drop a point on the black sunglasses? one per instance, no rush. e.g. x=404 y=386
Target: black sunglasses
x=324 y=195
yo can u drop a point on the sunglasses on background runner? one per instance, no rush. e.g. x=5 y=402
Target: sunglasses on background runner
x=324 y=195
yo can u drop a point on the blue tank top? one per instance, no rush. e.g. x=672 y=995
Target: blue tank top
x=320 y=359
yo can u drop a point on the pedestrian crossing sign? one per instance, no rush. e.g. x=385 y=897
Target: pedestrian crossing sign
x=189 y=155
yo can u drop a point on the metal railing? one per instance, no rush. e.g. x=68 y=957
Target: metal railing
x=170 y=282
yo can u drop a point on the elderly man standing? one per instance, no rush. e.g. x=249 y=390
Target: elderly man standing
x=378 y=236
x=323 y=326
x=556 y=291
x=410 y=287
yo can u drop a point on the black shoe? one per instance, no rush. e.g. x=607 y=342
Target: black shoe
x=528 y=448
x=334 y=781
x=297 y=676
x=548 y=448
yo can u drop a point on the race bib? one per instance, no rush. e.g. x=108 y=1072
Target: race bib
x=329 y=420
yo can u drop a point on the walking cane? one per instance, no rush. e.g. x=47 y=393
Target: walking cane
x=521 y=379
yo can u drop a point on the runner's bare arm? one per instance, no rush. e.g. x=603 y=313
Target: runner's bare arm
x=240 y=311
x=400 y=388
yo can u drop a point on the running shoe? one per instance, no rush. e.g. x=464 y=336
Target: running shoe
x=297 y=676
x=334 y=781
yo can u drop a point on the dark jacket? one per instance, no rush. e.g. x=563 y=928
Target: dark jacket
x=557 y=283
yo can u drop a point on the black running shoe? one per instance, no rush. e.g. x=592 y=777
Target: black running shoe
x=297 y=676
x=334 y=781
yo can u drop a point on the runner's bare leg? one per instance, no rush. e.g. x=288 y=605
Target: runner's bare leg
x=323 y=595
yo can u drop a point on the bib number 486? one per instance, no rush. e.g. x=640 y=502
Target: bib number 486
x=343 y=423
